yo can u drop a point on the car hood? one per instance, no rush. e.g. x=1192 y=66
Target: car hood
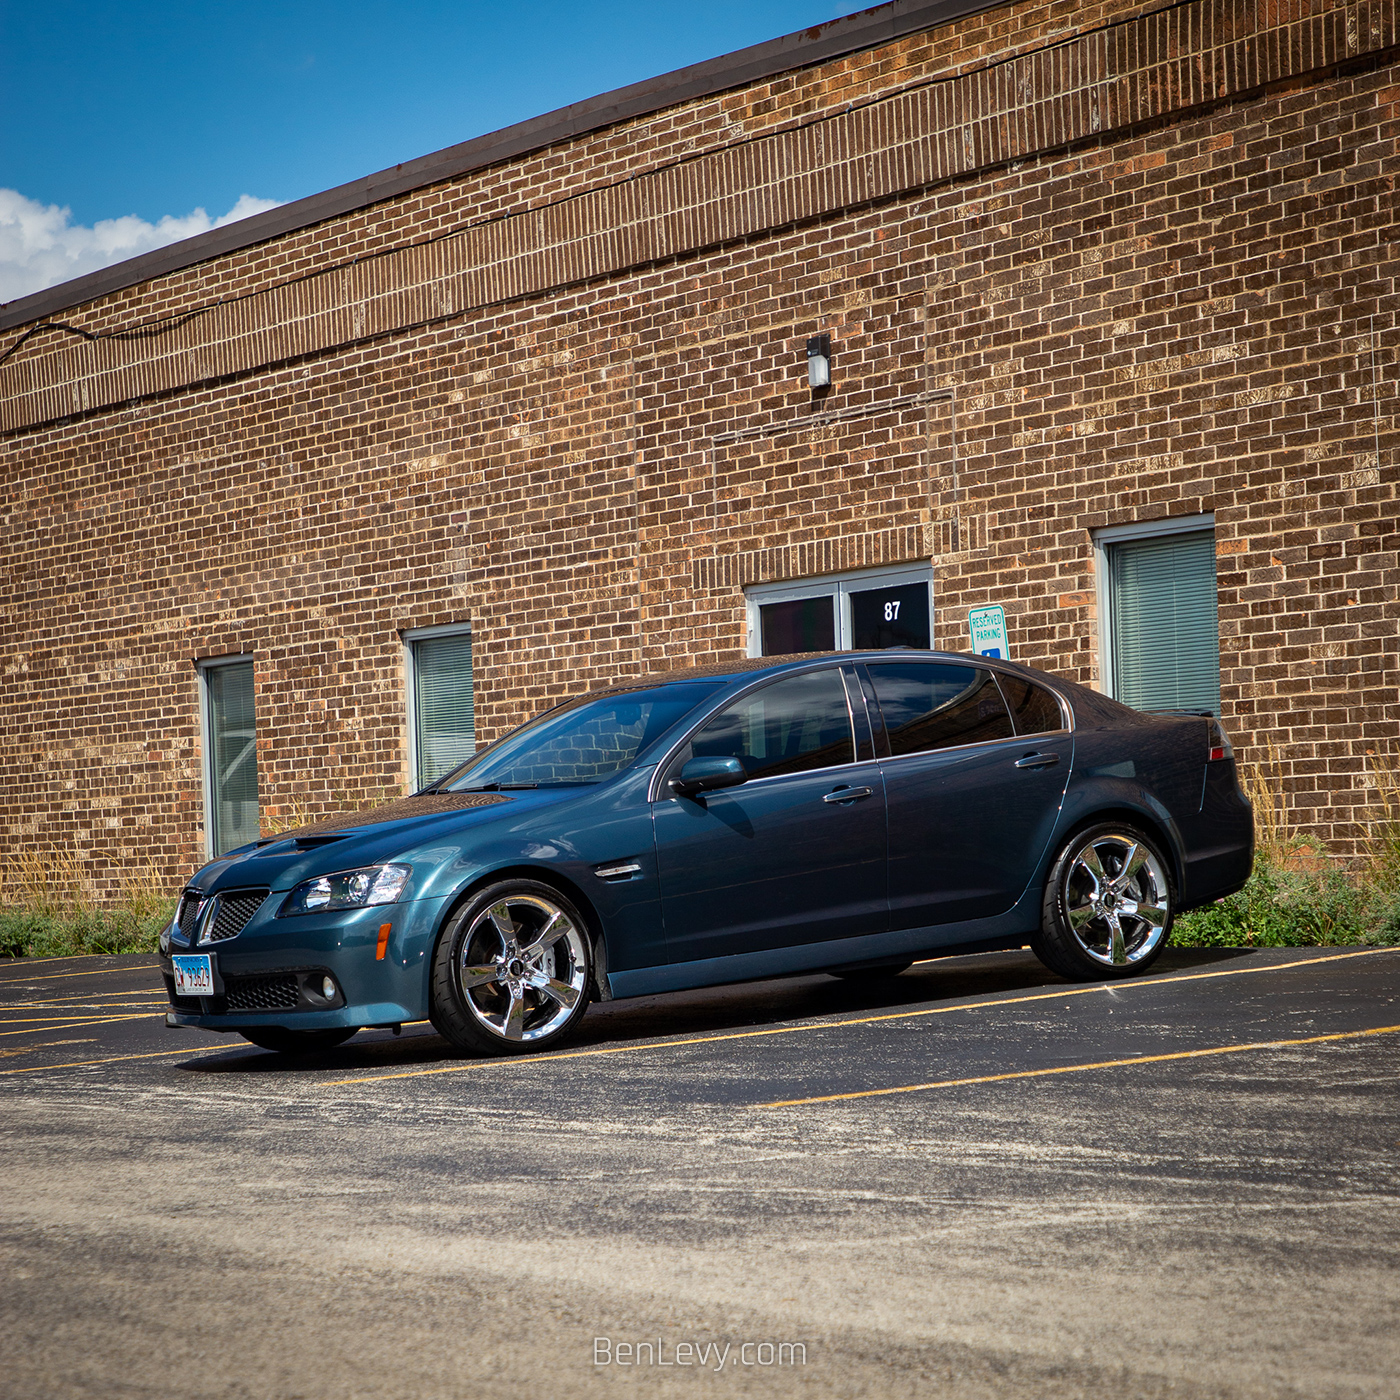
x=394 y=831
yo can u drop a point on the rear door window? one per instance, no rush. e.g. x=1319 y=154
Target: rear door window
x=938 y=707
x=1033 y=709
x=792 y=726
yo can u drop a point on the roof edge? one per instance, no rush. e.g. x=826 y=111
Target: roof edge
x=834 y=39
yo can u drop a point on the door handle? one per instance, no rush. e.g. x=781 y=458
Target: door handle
x=1038 y=760
x=848 y=794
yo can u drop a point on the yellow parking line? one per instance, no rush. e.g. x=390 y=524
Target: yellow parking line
x=96 y=1015
x=113 y=1059
x=97 y=972
x=97 y=1011
x=8 y=1006
x=79 y=992
x=57 y=957
x=71 y=1023
x=102 y=1013
x=853 y=1021
x=1076 y=1069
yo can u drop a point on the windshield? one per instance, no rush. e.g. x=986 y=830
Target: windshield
x=584 y=741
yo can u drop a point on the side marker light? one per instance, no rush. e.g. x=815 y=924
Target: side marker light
x=382 y=946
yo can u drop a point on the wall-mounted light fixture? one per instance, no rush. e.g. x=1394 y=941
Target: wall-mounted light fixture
x=819 y=362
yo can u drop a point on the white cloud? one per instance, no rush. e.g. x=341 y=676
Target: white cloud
x=40 y=248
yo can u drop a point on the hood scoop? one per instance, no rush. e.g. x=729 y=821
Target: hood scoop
x=427 y=805
x=288 y=844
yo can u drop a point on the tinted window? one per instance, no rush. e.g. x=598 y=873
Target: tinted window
x=583 y=742
x=797 y=625
x=788 y=727
x=890 y=617
x=938 y=707
x=1033 y=708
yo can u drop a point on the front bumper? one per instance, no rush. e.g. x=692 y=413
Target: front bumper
x=269 y=974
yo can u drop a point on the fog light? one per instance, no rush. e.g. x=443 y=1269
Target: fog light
x=328 y=988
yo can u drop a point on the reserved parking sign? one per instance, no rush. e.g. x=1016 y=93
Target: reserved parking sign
x=988 y=628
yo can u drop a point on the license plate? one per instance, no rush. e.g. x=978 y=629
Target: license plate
x=194 y=975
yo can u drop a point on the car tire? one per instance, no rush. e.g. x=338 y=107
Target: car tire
x=286 y=1042
x=871 y=974
x=1108 y=905
x=513 y=970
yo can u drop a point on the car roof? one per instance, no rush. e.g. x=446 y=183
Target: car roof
x=746 y=668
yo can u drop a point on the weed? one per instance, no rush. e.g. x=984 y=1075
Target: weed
x=295 y=811
x=1382 y=840
x=55 y=916
x=1298 y=895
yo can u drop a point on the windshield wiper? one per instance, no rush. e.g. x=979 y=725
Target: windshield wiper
x=498 y=787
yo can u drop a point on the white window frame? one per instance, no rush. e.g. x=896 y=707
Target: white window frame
x=202 y=669
x=410 y=637
x=838 y=586
x=1103 y=581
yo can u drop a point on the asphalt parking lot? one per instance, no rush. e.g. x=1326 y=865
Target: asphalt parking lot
x=972 y=1180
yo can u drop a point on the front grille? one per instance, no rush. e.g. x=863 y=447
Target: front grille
x=189 y=909
x=232 y=913
x=279 y=993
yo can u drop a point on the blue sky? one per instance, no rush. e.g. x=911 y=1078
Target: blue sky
x=162 y=111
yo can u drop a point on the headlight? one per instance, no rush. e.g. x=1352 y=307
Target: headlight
x=350 y=889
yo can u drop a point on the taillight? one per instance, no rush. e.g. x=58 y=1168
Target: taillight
x=1220 y=746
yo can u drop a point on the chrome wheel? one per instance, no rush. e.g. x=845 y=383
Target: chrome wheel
x=523 y=968
x=1116 y=898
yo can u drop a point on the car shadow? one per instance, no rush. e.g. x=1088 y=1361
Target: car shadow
x=717 y=1010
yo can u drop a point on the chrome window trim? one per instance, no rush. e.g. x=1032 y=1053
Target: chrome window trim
x=726 y=697
x=981 y=664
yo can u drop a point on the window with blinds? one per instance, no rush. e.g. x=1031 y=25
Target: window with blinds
x=231 y=755
x=1165 y=636
x=443 y=722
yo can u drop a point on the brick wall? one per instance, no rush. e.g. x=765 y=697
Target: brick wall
x=1081 y=266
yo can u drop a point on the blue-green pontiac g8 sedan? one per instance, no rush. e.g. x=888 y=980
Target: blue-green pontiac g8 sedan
x=845 y=812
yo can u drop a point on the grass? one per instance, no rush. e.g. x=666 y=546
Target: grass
x=1297 y=897
x=54 y=916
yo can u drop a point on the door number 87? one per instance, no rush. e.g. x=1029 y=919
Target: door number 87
x=892 y=612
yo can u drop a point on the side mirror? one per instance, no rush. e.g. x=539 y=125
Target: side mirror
x=706 y=774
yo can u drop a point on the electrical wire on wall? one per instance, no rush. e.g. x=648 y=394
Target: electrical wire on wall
x=144 y=332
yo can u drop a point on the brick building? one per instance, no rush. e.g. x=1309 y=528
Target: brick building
x=296 y=510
